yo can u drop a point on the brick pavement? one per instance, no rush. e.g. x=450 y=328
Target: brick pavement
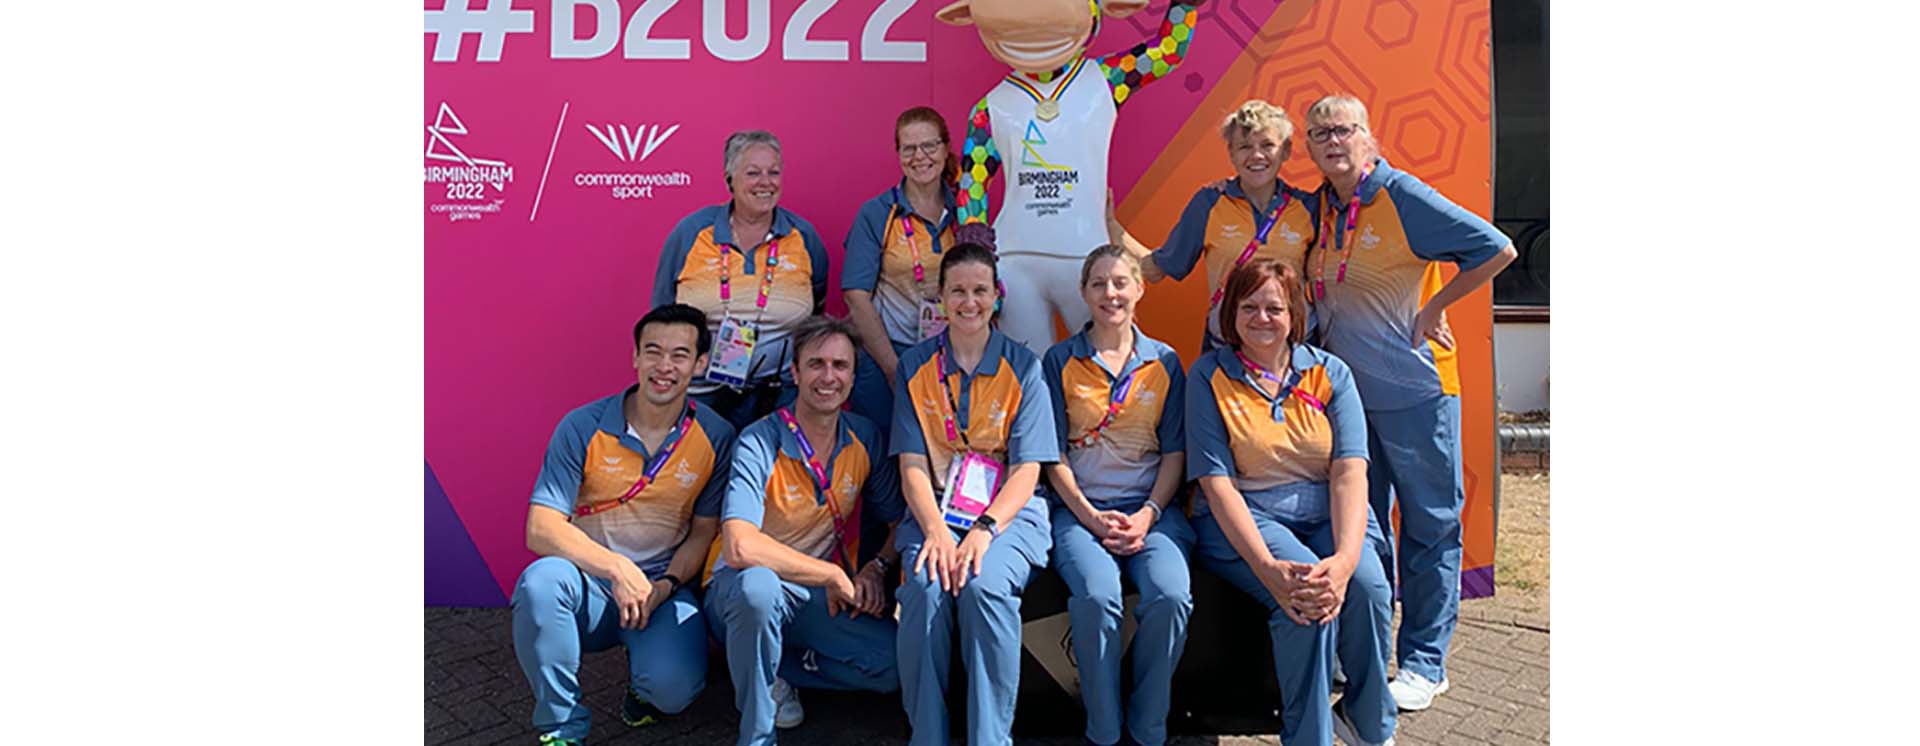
x=476 y=695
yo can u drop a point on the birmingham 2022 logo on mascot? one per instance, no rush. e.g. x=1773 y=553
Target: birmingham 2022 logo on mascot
x=1050 y=123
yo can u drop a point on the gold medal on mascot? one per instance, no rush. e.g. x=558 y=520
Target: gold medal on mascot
x=1047 y=110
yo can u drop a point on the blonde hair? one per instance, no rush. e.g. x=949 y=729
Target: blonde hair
x=1255 y=116
x=1108 y=251
x=1327 y=106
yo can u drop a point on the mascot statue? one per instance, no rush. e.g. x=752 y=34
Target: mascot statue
x=1053 y=115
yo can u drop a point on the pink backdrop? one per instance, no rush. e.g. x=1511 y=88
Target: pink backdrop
x=534 y=281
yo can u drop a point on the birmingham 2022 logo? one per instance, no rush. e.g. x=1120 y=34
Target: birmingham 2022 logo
x=467 y=178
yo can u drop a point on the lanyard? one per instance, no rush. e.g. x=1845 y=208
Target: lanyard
x=820 y=482
x=652 y=470
x=1346 y=243
x=919 y=270
x=1304 y=397
x=1253 y=245
x=954 y=432
x=766 y=279
x=1117 y=397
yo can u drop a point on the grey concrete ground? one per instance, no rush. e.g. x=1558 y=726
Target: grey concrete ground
x=476 y=694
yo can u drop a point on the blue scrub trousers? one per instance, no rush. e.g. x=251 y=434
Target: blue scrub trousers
x=1303 y=655
x=989 y=613
x=560 y=612
x=872 y=398
x=1416 y=458
x=1092 y=575
x=775 y=627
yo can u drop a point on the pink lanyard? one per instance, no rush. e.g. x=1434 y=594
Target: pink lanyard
x=954 y=432
x=1117 y=397
x=919 y=271
x=820 y=481
x=766 y=280
x=653 y=469
x=1253 y=245
x=1303 y=396
x=1346 y=243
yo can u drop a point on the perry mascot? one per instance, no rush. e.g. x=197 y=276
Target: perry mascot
x=1055 y=114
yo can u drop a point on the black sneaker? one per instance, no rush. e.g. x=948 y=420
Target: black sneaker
x=638 y=712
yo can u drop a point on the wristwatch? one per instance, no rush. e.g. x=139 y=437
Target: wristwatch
x=673 y=583
x=987 y=522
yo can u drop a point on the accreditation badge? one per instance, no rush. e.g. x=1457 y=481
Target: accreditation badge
x=972 y=481
x=732 y=353
x=933 y=318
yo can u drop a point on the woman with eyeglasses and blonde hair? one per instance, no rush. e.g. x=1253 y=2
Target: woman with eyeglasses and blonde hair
x=893 y=252
x=1380 y=301
x=1279 y=444
x=1254 y=215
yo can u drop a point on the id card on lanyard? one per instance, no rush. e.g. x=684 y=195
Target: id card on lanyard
x=732 y=361
x=932 y=313
x=822 y=485
x=972 y=478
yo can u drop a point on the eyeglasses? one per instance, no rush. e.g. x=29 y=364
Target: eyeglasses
x=1336 y=132
x=926 y=148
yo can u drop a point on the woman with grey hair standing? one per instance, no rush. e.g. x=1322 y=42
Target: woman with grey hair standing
x=756 y=270
x=1380 y=301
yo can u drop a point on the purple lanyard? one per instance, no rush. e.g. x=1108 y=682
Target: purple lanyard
x=1117 y=397
x=652 y=471
x=1253 y=245
x=1304 y=397
x=820 y=480
x=954 y=432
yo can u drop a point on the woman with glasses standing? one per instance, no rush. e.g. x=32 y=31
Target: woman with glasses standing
x=1375 y=281
x=756 y=270
x=893 y=251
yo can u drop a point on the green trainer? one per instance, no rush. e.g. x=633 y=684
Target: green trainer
x=638 y=712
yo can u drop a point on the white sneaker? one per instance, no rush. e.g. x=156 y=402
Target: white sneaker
x=1413 y=692
x=1344 y=730
x=786 y=705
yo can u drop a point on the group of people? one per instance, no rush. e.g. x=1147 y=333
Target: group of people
x=778 y=479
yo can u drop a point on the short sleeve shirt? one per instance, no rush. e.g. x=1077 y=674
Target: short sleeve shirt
x=1220 y=221
x=1003 y=403
x=1278 y=450
x=1116 y=463
x=594 y=460
x=886 y=240
x=1403 y=231
x=702 y=250
x=773 y=488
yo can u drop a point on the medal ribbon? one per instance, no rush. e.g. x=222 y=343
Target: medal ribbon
x=1117 y=398
x=652 y=470
x=1065 y=80
x=1259 y=237
x=821 y=483
x=1346 y=243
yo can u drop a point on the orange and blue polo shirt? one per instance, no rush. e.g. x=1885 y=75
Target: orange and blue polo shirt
x=772 y=487
x=1218 y=223
x=1116 y=467
x=1404 y=229
x=1278 y=450
x=1004 y=406
x=594 y=458
x=880 y=261
x=689 y=272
